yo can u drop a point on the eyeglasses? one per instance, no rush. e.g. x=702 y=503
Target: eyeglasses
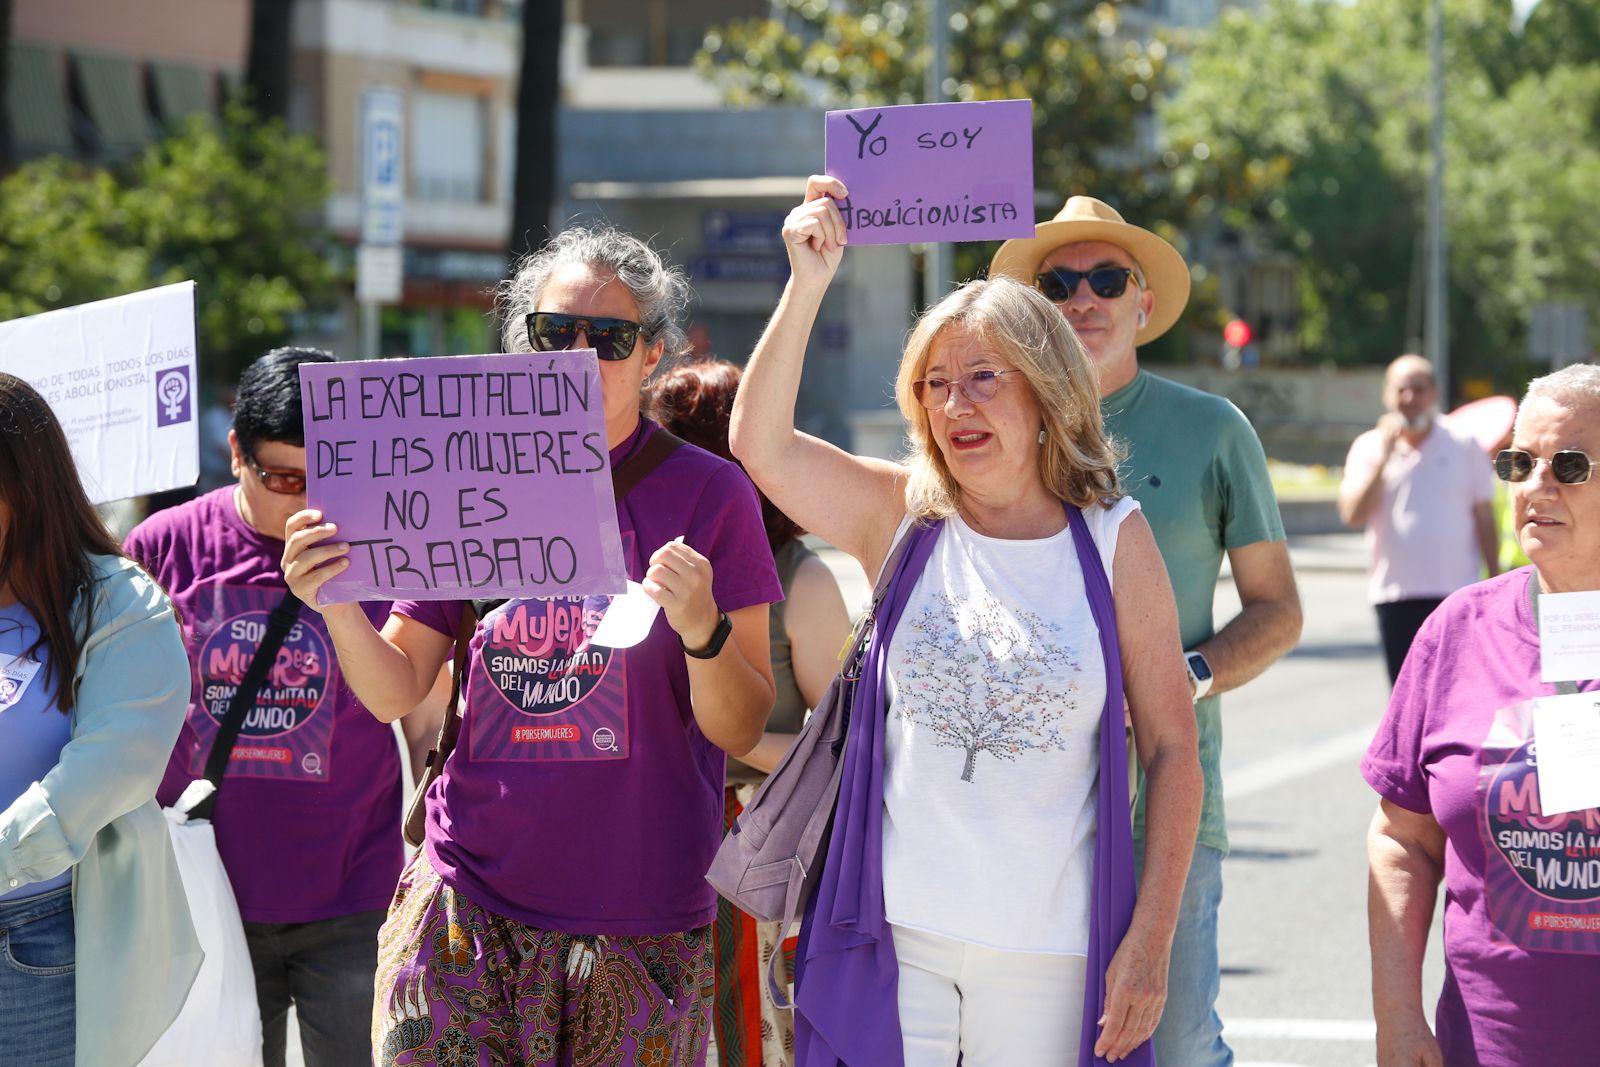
x=287 y=482
x=978 y=386
x=611 y=339
x=1059 y=283
x=1570 y=466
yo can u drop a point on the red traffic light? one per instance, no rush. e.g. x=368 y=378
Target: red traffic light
x=1237 y=333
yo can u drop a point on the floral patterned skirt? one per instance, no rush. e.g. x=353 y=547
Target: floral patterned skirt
x=459 y=986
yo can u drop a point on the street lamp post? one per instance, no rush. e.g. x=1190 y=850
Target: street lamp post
x=936 y=262
x=1437 y=330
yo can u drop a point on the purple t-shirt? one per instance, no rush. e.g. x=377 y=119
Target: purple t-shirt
x=1522 y=891
x=307 y=818
x=33 y=731
x=581 y=796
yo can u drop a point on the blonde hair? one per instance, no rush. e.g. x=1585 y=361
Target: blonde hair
x=1077 y=462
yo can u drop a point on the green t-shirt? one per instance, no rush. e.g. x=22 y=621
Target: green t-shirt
x=1198 y=471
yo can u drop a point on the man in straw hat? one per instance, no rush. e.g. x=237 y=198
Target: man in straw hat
x=1200 y=475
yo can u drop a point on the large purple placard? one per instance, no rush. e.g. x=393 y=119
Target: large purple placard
x=464 y=477
x=934 y=172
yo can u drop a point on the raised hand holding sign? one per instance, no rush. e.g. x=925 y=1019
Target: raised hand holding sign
x=934 y=172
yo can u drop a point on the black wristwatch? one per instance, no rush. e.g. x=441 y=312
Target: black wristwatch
x=719 y=637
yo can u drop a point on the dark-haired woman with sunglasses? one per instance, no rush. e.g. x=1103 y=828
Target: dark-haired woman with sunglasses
x=984 y=823
x=1458 y=768
x=558 y=911
x=96 y=948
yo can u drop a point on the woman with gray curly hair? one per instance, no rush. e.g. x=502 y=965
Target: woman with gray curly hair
x=979 y=879
x=558 y=911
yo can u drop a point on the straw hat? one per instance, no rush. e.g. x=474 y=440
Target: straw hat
x=1086 y=219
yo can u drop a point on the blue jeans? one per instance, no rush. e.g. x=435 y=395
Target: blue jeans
x=1190 y=1032
x=37 y=976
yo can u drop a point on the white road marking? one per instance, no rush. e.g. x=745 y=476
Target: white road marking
x=1267 y=774
x=1300 y=1030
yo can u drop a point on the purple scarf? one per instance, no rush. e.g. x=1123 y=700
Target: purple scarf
x=846 y=977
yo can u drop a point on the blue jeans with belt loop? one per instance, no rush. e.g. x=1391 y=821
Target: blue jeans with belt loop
x=37 y=980
x=1190 y=1031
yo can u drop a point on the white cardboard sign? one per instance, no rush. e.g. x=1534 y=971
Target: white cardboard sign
x=120 y=375
x=1567 y=729
x=1569 y=636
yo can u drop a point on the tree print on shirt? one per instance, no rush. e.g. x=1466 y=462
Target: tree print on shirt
x=987 y=679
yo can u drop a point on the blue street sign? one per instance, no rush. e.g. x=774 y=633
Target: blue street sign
x=383 y=198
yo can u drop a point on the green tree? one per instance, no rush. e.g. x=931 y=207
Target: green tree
x=1093 y=81
x=1307 y=125
x=234 y=207
x=231 y=205
x=1304 y=164
x=62 y=239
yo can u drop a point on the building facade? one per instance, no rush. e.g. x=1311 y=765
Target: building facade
x=99 y=82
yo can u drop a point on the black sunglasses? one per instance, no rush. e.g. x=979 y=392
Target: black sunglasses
x=611 y=339
x=287 y=482
x=1059 y=283
x=1570 y=466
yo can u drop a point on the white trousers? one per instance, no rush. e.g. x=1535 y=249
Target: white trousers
x=992 y=1008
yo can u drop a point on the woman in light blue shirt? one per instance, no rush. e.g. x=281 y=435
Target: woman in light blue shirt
x=96 y=948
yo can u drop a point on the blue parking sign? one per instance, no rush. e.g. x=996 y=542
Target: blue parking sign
x=382 y=166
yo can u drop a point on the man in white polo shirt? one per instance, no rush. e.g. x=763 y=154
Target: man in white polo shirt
x=1425 y=494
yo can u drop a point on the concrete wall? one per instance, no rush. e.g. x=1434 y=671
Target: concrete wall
x=1304 y=415
x=211 y=34
x=639 y=145
x=344 y=46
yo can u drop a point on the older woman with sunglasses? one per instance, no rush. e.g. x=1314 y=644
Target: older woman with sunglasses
x=989 y=808
x=1458 y=769
x=558 y=912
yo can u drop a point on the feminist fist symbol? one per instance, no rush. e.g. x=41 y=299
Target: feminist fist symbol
x=173 y=390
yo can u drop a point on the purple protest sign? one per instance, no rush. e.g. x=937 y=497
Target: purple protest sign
x=457 y=477
x=934 y=172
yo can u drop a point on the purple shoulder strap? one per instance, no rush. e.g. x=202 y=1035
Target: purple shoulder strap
x=1111 y=900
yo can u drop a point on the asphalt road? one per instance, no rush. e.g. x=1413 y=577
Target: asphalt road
x=1295 y=987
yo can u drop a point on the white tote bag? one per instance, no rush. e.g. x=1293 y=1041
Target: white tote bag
x=220 y=1024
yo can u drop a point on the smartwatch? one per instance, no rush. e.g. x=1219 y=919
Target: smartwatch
x=719 y=637
x=1199 y=673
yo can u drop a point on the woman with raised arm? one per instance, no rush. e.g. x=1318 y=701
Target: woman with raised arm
x=1467 y=793
x=979 y=934
x=558 y=911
